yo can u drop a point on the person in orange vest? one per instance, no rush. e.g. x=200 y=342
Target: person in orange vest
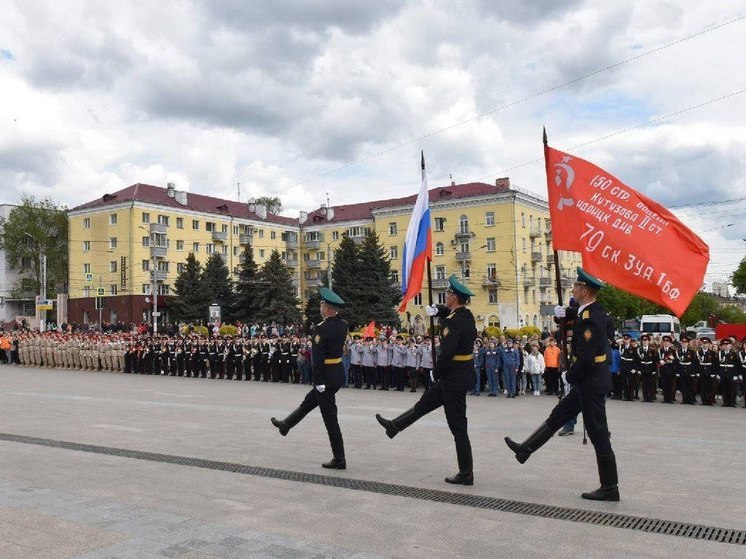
x=552 y=362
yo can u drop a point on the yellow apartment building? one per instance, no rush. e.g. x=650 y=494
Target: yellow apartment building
x=495 y=238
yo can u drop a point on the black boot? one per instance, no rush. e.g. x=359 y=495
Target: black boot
x=289 y=422
x=393 y=426
x=609 y=490
x=465 y=475
x=533 y=443
x=338 y=451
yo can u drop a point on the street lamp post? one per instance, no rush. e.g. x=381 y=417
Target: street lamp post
x=42 y=281
x=154 y=277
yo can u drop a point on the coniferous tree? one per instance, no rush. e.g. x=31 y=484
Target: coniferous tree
x=216 y=283
x=190 y=302
x=381 y=295
x=348 y=283
x=313 y=313
x=247 y=303
x=276 y=294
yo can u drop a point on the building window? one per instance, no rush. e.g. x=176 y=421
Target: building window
x=209 y=248
x=491 y=271
x=272 y=235
x=180 y=267
x=490 y=244
x=113 y=289
x=180 y=245
x=261 y=253
x=86 y=246
x=145 y=217
x=441 y=297
x=209 y=226
x=112 y=242
x=112 y=266
x=86 y=291
x=395 y=276
x=163 y=219
x=417 y=300
x=112 y=219
x=358 y=231
x=86 y=268
x=524 y=244
x=195 y=248
x=492 y=296
x=464 y=247
x=86 y=223
x=440 y=272
x=463 y=224
x=146 y=241
x=164 y=289
x=439 y=249
x=523 y=219
x=145 y=265
x=392 y=229
x=489 y=219
x=180 y=223
x=146 y=289
x=225 y=250
x=335 y=235
x=393 y=253
x=261 y=233
x=440 y=223
x=235 y=251
x=162 y=266
x=159 y=240
x=195 y=224
x=321 y=256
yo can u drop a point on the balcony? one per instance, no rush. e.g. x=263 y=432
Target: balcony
x=490 y=281
x=546 y=309
x=545 y=282
x=291 y=262
x=158 y=251
x=292 y=244
x=529 y=281
x=219 y=236
x=567 y=282
x=245 y=238
x=463 y=256
x=158 y=228
x=312 y=245
x=536 y=257
x=534 y=231
x=357 y=239
x=314 y=282
x=548 y=235
x=311 y=264
x=160 y=275
x=440 y=283
x=550 y=259
x=464 y=234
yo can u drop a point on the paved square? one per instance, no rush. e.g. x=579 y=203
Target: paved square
x=678 y=463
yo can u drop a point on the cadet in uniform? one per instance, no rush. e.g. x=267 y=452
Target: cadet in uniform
x=328 y=377
x=667 y=362
x=707 y=361
x=590 y=378
x=452 y=377
x=647 y=357
x=686 y=373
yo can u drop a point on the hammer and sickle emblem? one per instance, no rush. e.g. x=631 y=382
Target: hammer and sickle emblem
x=569 y=178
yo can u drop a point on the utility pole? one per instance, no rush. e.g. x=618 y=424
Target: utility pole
x=43 y=288
x=155 y=285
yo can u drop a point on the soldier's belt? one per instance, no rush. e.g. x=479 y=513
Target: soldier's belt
x=462 y=357
x=726 y=365
x=646 y=362
x=685 y=362
x=600 y=359
x=332 y=361
x=627 y=359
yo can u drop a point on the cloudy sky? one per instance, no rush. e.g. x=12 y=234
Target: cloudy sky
x=300 y=98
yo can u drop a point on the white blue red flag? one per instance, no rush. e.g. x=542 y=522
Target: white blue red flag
x=418 y=245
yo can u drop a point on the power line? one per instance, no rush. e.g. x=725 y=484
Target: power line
x=515 y=102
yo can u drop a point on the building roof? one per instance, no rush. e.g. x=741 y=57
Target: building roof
x=197 y=202
x=364 y=210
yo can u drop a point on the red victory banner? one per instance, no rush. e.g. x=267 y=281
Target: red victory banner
x=625 y=238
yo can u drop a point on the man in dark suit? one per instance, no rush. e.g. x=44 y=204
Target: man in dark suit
x=452 y=377
x=590 y=379
x=328 y=376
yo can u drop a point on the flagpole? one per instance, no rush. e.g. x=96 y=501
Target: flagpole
x=557 y=275
x=429 y=284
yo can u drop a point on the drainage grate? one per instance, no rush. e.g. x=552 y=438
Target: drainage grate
x=610 y=519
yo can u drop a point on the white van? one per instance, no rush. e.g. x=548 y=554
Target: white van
x=660 y=325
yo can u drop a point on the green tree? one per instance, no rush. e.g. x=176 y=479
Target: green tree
x=216 y=284
x=738 y=279
x=347 y=281
x=381 y=295
x=276 y=294
x=190 y=303
x=622 y=305
x=34 y=228
x=272 y=203
x=313 y=314
x=247 y=303
x=702 y=307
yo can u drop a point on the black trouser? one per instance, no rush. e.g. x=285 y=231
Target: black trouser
x=327 y=404
x=593 y=407
x=229 y=367
x=238 y=367
x=384 y=375
x=616 y=382
x=180 y=364
x=633 y=385
x=247 y=367
x=668 y=383
x=369 y=374
x=551 y=379
x=398 y=377
x=285 y=369
x=454 y=406
x=730 y=390
x=412 y=374
x=213 y=366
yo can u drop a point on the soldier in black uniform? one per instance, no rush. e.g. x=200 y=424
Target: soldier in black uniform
x=452 y=377
x=590 y=379
x=730 y=370
x=648 y=369
x=707 y=363
x=628 y=366
x=667 y=363
x=687 y=361
x=328 y=377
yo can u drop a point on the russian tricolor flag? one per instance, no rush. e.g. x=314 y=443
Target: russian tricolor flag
x=418 y=245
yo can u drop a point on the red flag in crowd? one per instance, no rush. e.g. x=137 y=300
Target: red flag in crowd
x=370 y=330
x=625 y=238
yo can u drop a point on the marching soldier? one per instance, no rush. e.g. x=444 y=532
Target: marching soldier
x=452 y=377
x=629 y=364
x=648 y=371
x=328 y=377
x=590 y=379
x=667 y=369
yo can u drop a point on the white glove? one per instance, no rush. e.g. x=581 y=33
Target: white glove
x=564 y=377
x=713 y=376
x=431 y=310
x=559 y=311
x=632 y=371
x=432 y=377
x=321 y=387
